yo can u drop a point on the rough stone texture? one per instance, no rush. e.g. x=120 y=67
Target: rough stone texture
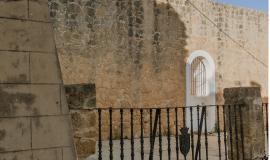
x=135 y=51
x=252 y=120
x=31 y=111
x=84 y=121
x=81 y=96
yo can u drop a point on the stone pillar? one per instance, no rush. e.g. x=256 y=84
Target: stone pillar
x=34 y=118
x=252 y=122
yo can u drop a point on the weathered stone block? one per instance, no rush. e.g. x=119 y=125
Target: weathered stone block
x=26 y=36
x=29 y=100
x=14 y=67
x=13 y=9
x=81 y=95
x=54 y=130
x=15 y=134
x=16 y=100
x=44 y=68
x=47 y=101
x=22 y=155
x=38 y=10
x=48 y=154
x=85 y=147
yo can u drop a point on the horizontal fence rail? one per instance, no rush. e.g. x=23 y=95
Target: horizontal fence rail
x=166 y=133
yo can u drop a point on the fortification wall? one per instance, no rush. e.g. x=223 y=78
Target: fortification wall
x=135 y=51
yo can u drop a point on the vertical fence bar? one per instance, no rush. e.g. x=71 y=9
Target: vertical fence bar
x=168 y=133
x=121 y=135
x=205 y=133
x=236 y=132
x=176 y=134
x=224 y=129
x=230 y=131
x=191 y=132
x=198 y=125
x=184 y=116
x=131 y=134
x=266 y=108
x=111 y=142
x=153 y=137
x=242 y=132
x=218 y=130
x=142 y=141
x=99 y=136
x=150 y=129
x=160 y=135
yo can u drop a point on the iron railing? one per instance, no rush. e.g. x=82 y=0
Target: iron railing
x=177 y=138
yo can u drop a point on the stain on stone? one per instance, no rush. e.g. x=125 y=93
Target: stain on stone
x=168 y=30
x=15 y=158
x=2 y=149
x=8 y=103
x=254 y=84
x=21 y=78
x=81 y=95
x=2 y=134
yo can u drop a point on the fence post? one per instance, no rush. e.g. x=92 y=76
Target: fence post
x=244 y=123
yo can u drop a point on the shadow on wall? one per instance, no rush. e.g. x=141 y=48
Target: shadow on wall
x=166 y=81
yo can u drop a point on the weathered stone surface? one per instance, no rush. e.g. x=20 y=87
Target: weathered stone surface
x=16 y=100
x=14 y=67
x=26 y=36
x=85 y=147
x=48 y=154
x=21 y=155
x=81 y=95
x=29 y=100
x=30 y=86
x=38 y=10
x=68 y=153
x=15 y=134
x=84 y=122
x=64 y=104
x=47 y=101
x=13 y=9
x=44 y=68
x=139 y=58
x=54 y=130
x=252 y=122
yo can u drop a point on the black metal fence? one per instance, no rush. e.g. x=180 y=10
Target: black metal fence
x=170 y=135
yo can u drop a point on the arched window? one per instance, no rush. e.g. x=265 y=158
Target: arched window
x=198 y=77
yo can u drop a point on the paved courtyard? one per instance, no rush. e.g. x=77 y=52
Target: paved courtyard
x=213 y=151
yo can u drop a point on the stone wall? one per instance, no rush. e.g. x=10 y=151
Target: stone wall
x=135 y=51
x=34 y=118
x=80 y=98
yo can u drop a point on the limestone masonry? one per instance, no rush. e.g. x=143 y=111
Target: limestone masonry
x=34 y=118
x=135 y=51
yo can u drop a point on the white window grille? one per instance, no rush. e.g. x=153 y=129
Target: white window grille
x=198 y=77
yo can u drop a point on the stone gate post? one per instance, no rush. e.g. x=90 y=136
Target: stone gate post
x=245 y=123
